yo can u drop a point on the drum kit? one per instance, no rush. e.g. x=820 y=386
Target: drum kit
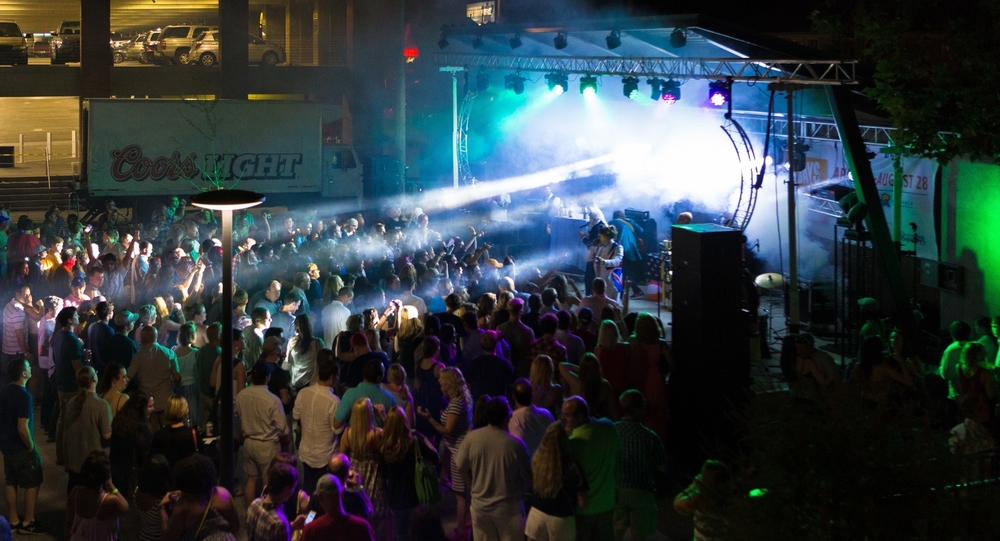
x=773 y=283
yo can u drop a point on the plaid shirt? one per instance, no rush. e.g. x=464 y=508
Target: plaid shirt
x=642 y=453
x=547 y=345
x=266 y=522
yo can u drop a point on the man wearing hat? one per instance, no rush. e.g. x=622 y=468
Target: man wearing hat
x=335 y=524
x=262 y=417
x=120 y=348
x=76 y=295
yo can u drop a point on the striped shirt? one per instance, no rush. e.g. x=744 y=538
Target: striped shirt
x=265 y=522
x=13 y=321
x=642 y=453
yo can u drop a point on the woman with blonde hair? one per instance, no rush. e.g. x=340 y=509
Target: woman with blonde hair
x=409 y=334
x=559 y=488
x=649 y=364
x=614 y=356
x=169 y=318
x=455 y=422
x=332 y=288
x=398 y=450
x=484 y=309
x=360 y=442
x=546 y=394
x=177 y=440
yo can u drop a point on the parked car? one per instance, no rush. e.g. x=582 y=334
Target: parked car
x=118 y=39
x=66 y=43
x=206 y=51
x=41 y=48
x=176 y=41
x=13 y=45
x=131 y=49
x=148 y=55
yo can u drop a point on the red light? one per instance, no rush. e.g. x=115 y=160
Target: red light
x=411 y=52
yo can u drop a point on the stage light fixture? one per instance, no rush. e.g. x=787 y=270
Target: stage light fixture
x=557 y=82
x=670 y=92
x=654 y=88
x=678 y=38
x=515 y=41
x=477 y=42
x=514 y=82
x=560 y=41
x=630 y=87
x=614 y=39
x=719 y=93
x=588 y=85
x=483 y=81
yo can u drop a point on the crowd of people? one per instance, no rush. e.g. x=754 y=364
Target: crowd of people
x=376 y=363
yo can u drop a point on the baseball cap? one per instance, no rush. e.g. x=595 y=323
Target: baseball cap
x=328 y=485
x=262 y=368
x=41 y=248
x=125 y=317
x=78 y=281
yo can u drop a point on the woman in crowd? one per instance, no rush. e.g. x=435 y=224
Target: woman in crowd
x=398 y=451
x=484 y=309
x=360 y=442
x=614 y=355
x=975 y=375
x=187 y=364
x=586 y=381
x=198 y=510
x=409 y=334
x=804 y=377
x=650 y=362
x=177 y=440
x=111 y=388
x=546 y=393
x=396 y=377
x=154 y=483
x=455 y=422
x=302 y=351
x=559 y=488
x=94 y=506
x=876 y=379
x=196 y=314
x=449 y=354
x=130 y=440
x=169 y=319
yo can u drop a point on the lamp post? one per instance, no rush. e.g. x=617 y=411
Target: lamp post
x=226 y=201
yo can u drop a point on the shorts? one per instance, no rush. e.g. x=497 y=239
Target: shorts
x=23 y=469
x=257 y=456
x=542 y=527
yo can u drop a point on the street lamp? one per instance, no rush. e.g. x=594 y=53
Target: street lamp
x=226 y=201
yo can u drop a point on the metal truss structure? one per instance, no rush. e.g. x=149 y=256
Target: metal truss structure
x=747 y=201
x=811 y=72
x=822 y=129
x=825 y=206
x=464 y=171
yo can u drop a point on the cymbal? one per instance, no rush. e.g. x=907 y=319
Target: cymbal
x=769 y=280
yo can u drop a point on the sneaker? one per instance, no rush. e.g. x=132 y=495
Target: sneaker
x=32 y=528
x=15 y=528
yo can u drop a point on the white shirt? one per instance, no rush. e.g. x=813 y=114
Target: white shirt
x=409 y=299
x=529 y=424
x=261 y=414
x=334 y=320
x=315 y=408
x=13 y=321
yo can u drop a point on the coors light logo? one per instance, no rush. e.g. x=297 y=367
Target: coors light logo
x=129 y=164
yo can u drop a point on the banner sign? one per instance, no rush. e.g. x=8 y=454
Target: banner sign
x=825 y=162
x=167 y=147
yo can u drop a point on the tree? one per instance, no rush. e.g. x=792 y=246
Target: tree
x=935 y=69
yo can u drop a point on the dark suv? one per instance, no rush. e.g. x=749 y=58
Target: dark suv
x=176 y=41
x=66 y=43
x=13 y=45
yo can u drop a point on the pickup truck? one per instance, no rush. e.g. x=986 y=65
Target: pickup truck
x=66 y=43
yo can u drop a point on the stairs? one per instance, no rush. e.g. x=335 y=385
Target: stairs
x=26 y=195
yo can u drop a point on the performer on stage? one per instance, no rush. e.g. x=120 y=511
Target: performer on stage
x=595 y=223
x=629 y=236
x=607 y=255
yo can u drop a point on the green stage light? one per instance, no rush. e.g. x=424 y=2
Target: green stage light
x=557 y=82
x=588 y=85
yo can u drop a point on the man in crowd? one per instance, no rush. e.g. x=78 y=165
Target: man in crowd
x=120 y=347
x=21 y=459
x=157 y=370
x=575 y=347
x=519 y=336
x=641 y=456
x=253 y=335
x=98 y=335
x=335 y=315
x=498 y=470
x=489 y=373
x=950 y=359
x=15 y=336
x=547 y=344
x=284 y=318
x=528 y=422
x=204 y=362
x=335 y=524
x=67 y=353
x=262 y=418
x=597 y=301
x=315 y=410
x=266 y=520
x=594 y=444
x=353 y=372
x=369 y=388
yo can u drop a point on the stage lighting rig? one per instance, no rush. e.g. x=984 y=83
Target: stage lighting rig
x=614 y=39
x=630 y=87
x=514 y=82
x=483 y=81
x=678 y=38
x=670 y=92
x=655 y=85
x=560 y=41
x=719 y=93
x=588 y=85
x=557 y=82
x=515 y=41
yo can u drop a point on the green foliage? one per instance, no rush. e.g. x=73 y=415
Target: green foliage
x=846 y=473
x=206 y=124
x=935 y=69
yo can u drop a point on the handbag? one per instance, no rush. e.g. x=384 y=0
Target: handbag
x=425 y=477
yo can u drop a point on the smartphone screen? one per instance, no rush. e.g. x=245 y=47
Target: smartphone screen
x=88 y=229
x=310 y=516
